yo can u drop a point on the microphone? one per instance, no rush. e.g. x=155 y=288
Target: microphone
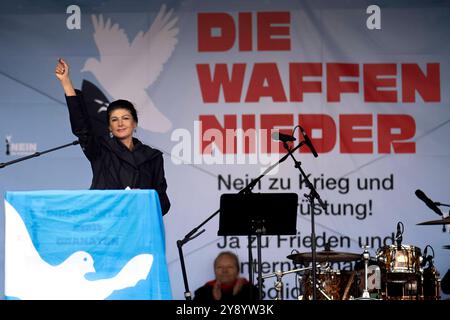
x=308 y=142
x=282 y=137
x=399 y=236
x=425 y=258
x=430 y=204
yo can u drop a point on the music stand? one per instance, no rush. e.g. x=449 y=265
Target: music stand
x=258 y=214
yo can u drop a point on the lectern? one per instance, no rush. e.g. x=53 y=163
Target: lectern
x=90 y=244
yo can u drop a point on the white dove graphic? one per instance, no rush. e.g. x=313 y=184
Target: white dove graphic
x=126 y=70
x=28 y=276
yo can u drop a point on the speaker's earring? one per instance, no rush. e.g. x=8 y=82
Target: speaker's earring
x=111 y=134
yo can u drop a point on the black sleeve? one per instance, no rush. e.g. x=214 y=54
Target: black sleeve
x=247 y=293
x=86 y=125
x=160 y=183
x=77 y=112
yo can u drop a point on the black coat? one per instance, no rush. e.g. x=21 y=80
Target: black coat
x=248 y=292
x=114 y=166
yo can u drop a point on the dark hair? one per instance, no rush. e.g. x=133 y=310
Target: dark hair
x=122 y=104
x=231 y=255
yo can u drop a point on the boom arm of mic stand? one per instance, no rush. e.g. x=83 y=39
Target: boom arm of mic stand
x=253 y=183
x=188 y=237
x=37 y=154
x=442 y=204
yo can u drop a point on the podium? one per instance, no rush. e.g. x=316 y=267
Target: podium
x=93 y=244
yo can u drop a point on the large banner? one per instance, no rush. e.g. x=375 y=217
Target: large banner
x=214 y=80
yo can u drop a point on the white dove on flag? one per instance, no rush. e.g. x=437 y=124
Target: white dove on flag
x=126 y=70
x=28 y=276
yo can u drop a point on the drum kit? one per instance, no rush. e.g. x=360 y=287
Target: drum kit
x=397 y=272
x=332 y=284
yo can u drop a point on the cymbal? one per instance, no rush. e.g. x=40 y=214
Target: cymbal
x=324 y=256
x=435 y=222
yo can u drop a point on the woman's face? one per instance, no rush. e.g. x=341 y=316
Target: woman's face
x=226 y=270
x=121 y=124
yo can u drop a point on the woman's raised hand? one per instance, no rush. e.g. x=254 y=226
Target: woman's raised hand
x=62 y=70
x=62 y=73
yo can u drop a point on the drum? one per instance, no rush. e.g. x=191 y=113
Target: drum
x=409 y=288
x=332 y=285
x=400 y=259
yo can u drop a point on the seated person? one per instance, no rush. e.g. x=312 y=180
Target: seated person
x=227 y=286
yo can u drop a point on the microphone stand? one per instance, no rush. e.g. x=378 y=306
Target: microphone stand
x=194 y=233
x=37 y=154
x=365 y=294
x=439 y=204
x=313 y=195
x=279 y=282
